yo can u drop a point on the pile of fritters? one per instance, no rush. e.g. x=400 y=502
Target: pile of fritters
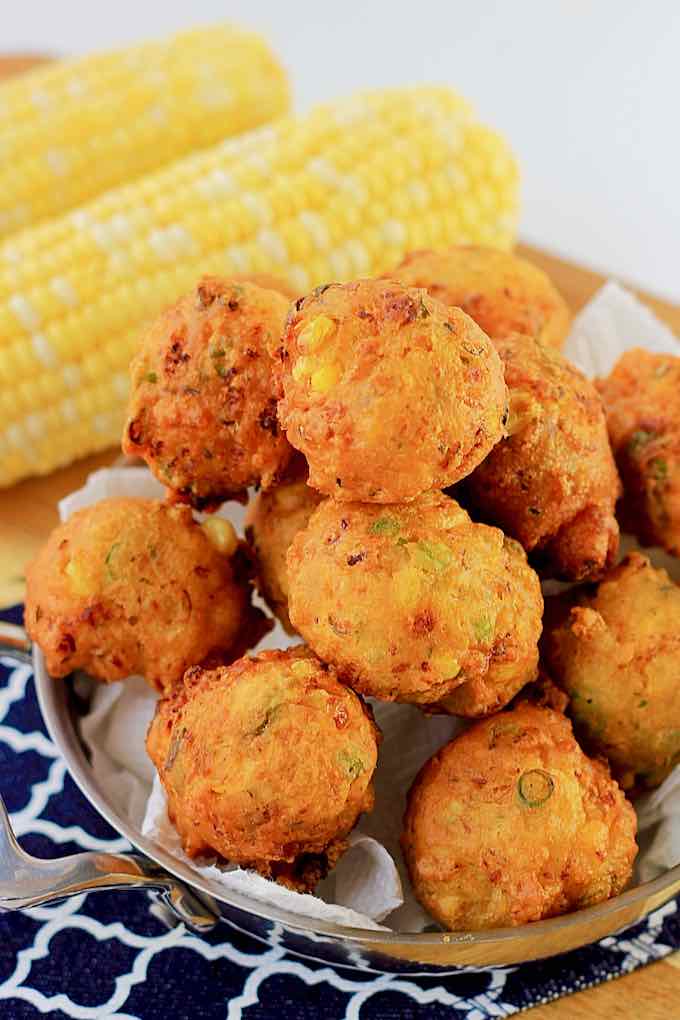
x=423 y=455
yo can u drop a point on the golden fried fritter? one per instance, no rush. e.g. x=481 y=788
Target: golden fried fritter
x=136 y=586
x=511 y=823
x=274 y=518
x=416 y=603
x=202 y=411
x=387 y=392
x=267 y=763
x=552 y=483
x=502 y=292
x=617 y=655
x=642 y=401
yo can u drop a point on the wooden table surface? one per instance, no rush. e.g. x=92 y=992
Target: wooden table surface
x=28 y=512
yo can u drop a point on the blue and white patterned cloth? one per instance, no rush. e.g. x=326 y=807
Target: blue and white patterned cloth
x=108 y=955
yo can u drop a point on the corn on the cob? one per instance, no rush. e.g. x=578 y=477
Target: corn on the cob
x=342 y=192
x=73 y=129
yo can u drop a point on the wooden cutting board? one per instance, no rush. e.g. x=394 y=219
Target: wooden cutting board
x=28 y=512
x=17 y=62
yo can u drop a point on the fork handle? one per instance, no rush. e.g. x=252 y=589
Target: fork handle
x=35 y=883
x=27 y=881
x=15 y=641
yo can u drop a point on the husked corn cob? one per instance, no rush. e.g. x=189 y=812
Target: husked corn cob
x=73 y=129
x=344 y=192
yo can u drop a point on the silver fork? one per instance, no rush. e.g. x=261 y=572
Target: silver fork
x=27 y=881
x=15 y=641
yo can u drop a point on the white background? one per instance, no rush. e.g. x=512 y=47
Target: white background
x=587 y=91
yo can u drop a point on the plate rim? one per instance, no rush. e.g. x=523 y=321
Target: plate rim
x=52 y=699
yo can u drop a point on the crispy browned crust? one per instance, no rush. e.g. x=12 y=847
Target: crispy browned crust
x=642 y=400
x=202 y=412
x=616 y=654
x=267 y=763
x=552 y=482
x=511 y=823
x=502 y=292
x=417 y=603
x=274 y=519
x=387 y=392
x=135 y=586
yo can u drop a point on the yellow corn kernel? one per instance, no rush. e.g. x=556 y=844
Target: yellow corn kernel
x=221 y=534
x=77 y=577
x=315 y=332
x=445 y=664
x=324 y=378
x=300 y=199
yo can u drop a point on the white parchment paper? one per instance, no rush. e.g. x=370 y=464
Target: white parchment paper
x=369 y=884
